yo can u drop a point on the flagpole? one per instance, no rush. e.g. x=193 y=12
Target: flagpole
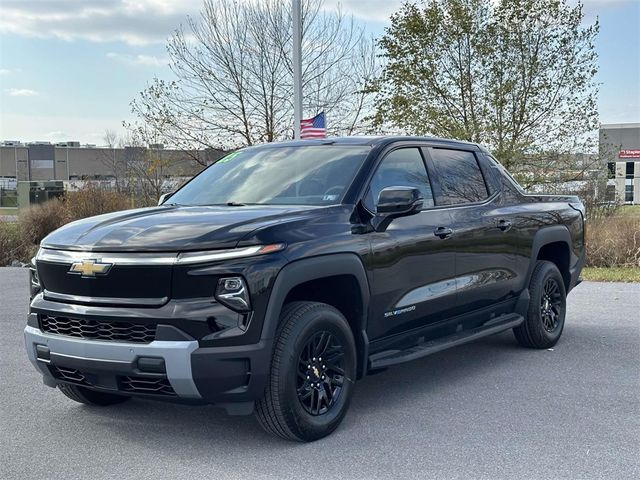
x=297 y=69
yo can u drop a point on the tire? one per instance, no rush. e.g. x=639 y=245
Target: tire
x=544 y=323
x=90 y=397
x=301 y=403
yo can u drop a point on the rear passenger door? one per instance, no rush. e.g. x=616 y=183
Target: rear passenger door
x=482 y=237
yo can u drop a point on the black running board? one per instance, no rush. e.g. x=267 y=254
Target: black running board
x=393 y=357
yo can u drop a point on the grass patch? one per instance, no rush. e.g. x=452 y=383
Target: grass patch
x=611 y=274
x=628 y=211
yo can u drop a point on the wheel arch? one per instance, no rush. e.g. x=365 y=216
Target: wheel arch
x=304 y=280
x=552 y=244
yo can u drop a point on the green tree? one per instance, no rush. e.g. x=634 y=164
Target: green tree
x=514 y=75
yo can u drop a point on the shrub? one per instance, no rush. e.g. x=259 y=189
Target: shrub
x=614 y=242
x=11 y=245
x=38 y=221
x=19 y=241
x=92 y=200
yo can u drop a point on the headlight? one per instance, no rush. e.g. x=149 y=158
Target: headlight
x=35 y=281
x=232 y=292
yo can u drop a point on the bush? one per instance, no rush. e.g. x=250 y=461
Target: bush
x=19 y=241
x=11 y=245
x=92 y=200
x=38 y=221
x=614 y=242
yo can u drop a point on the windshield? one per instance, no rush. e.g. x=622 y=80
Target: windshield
x=307 y=175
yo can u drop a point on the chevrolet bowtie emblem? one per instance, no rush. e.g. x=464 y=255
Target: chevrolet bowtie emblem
x=90 y=268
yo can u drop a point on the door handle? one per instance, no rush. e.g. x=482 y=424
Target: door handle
x=443 y=232
x=504 y=225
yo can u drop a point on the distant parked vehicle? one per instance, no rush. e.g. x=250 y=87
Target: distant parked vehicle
x=283 y=273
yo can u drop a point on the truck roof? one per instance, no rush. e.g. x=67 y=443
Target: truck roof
x=373 y=141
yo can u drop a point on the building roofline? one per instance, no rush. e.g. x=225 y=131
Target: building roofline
x=607 y=126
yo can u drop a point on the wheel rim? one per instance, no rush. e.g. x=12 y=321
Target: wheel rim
x=320 y=373
x=551 y=305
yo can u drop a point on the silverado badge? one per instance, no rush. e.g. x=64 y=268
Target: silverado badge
x=90 y=268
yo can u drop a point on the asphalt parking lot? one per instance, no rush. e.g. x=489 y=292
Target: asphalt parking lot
x=485 y=410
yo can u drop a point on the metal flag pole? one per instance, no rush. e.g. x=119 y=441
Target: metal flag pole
x=297 y=69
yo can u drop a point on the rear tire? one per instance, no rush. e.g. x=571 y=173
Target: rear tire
x=312 y=373
x=90 y=397
x=544 y=323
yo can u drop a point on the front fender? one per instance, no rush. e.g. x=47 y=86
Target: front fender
x=314 y=268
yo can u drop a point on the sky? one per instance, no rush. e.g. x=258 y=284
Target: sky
x=70 y=68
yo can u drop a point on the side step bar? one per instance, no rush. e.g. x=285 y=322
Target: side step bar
x=393 y=357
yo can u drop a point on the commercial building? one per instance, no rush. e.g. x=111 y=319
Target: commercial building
x=620 y=148
x=41 y=169
x=43 y=161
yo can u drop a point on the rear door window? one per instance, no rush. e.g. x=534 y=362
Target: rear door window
x=459 y=177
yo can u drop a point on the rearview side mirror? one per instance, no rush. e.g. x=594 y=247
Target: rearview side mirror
x=394 y=202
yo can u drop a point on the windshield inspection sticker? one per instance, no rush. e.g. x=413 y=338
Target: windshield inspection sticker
x=399 y=311
x=226 y=158
x=328 y=198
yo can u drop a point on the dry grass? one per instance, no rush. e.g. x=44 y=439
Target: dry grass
x=614 y=242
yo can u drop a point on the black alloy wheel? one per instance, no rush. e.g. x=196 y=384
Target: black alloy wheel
x=550 y=305
x=544 y=320
x=312 y=376
x=320 y=373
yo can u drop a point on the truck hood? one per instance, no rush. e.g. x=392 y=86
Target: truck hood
x=171 y=228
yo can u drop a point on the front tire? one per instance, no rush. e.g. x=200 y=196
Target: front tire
x=312 y=373
x=547 y=308
x=90 y=397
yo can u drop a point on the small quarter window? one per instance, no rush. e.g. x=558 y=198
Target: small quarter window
x=459 y=175
x=403 y=167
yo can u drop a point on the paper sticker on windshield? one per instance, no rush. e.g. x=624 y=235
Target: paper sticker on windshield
x=329 y=198
x=226 y=158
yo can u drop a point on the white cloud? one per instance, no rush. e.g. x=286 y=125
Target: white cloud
x=56 y=135
x=136 y=22
x=21 y=92
x=143 y=22
x=368 y=10
x=139 y=60
x=4 y=71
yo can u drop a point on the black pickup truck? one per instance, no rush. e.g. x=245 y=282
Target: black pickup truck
x=283 y=273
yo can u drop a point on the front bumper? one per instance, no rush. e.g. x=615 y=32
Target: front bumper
x=183 y=370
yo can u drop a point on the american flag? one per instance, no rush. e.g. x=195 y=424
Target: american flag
x=313 y=127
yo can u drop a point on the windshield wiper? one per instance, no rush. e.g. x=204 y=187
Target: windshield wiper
x=235 y=204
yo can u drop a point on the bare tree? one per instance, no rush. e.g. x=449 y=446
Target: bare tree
x=233 y=72
x=114 y=163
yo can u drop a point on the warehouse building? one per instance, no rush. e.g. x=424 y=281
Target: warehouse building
x=620 y=148
x=43 y=161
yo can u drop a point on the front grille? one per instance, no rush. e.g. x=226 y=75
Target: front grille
x=132 y=283
x=155 y=386
x=92 y=329
x=147 y=385
x=70 y=375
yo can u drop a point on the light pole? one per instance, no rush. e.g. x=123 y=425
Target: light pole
x=297 y=69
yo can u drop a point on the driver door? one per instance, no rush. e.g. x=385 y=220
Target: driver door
x=413 y=269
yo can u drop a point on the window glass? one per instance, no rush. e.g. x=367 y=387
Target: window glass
x=291 y=175
x=629 y=169
x=400 y=168
x=459 y=176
